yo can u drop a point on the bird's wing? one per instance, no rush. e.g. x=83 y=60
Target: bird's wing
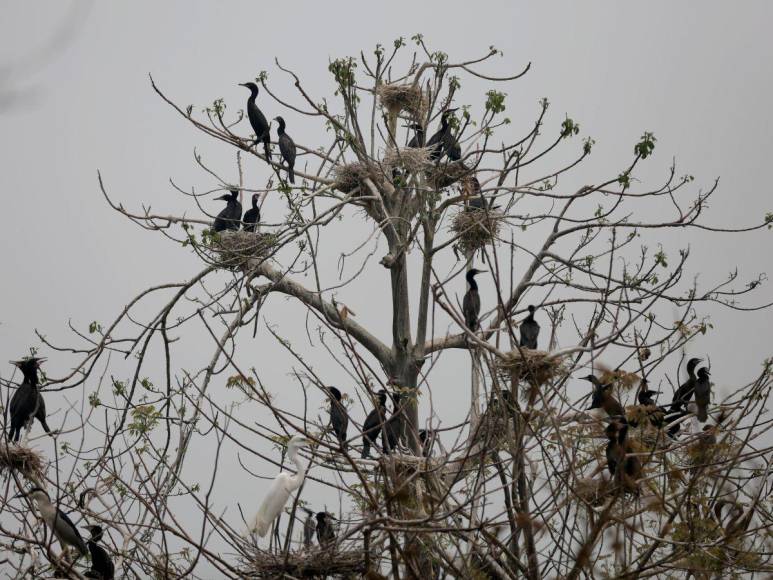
x=72 y=528
x=287 y=147
x=276 y=497
x=17 y=398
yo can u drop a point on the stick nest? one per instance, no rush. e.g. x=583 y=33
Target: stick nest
x=398 y=97
x=476 y=228
x=26 y=461
x=536 y=367
x=411 y=159
x=234 y=249
x=314 y=562
x=446 y=174
x=350 y=176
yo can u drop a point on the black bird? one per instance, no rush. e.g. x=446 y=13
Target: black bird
x=444 y=141
x=373 y=425
x=603 y=398
x=102 y=566
x=309 y=527
x=685 y=391
x=287 y=149
x=325 y=533
x=252 y=216
x=418 y=138
x=339 y=420
x=529 y=330
x=703 y=394
x=27 y=402
x=395 y=425
x=258 y=120
x=471 y=301
x=231 y=216
x=471 y=190
x=615 y=447
x=645 y=396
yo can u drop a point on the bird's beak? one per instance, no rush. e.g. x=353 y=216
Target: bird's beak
x=242 y=84
x=482 y=271
x=18 y=495
x=452 y=110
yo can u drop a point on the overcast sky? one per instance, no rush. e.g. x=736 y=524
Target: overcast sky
x=698 y=75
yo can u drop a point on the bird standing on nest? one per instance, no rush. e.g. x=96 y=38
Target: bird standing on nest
x=603 y=398
x=374 y=424
x=529 y=330
x=258 y=120
x=102 y=566
x=444 y=142
x=339 y=420
x=231 y=216
x=280 y=489
x=471 y=301
x=252 y=215
x=57 y=521
x=27 y=402
x=325 y=532
x=286 y=148
x=309 y=528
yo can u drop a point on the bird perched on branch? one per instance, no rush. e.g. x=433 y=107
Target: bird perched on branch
x=645 y=396
x=339 y=420
x=395 y=426
x=702 y=394
x=325 y=532
x=280 y=489
x=685 y=391
x=471 y=301
x=286 y=148
x=603 y=398
x=102 y=567
x=27 y=402
x=231 y=216
x=374 y=424
x=624 y=467
x=252 y=215
x=258 y=120
x=418 y=138
x=57 y=521
x=444 y=142
x=529 y=330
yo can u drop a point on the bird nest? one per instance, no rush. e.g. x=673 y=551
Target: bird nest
x=446 y=174
x=234 y=249
x=399 y=97
x=24 y=460
x=315 y=562
x=351 y=176
x=476 y=228
x=536 y=367
x=412 y=159
x=593 y=491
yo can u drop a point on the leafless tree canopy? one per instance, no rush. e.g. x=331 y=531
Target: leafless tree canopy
x=520 y=487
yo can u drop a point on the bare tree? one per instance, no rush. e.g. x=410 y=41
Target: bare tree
x=521 y=487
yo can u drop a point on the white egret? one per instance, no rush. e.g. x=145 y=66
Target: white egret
x=280 y=489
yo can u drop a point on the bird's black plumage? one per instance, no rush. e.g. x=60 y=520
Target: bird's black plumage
x=309 y=527
x=471 y=301
x=395 y=426
x=615 y=450
x=325 y=532
x=102 y=566
x=252 y=215
x=372 y=427
x=27 y=402
x=702 y=394
x=444 y=142
x=529 y=330
x=287 y=149
x=258 y=120
x=339 y=420
x=685 y=391
x=602 y=398
x=646 y=396
x=418 y=136
x=231 y=216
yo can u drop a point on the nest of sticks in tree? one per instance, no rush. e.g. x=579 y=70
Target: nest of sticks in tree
x=236 y=249
x=23 y=460
x=351 y=176
x=476 y=228
x=401 y=97
x=594 y=491
x=535 y=367
x=310 y=563
x=446 y=174
x=411 y=159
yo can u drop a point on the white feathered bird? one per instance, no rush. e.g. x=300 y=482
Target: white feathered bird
x=280 y=489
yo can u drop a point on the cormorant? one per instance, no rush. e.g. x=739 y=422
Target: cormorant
x=529 y=330
x=339 y=420
x=280 y=489
x=685 y=391
x=373 y=425
x=57 y=521
x=702 y=394
x=27 y=402
x=395 y=425
x=309 y=528
x=444 y=141
x=604 y=399
x=615 y=447
x=252 y=215
x=231 y=216
x=258 y=120
x=418 y=138
x=471 y=301
x=645 y=396
x=286 y=148
x=325 y=533
x=102 y=566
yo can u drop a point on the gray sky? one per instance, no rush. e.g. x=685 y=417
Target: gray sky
x=698 y=75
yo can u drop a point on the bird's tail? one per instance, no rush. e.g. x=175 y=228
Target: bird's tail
x=267 y=149
x=261 y=526
x=703 y=414
x=291 y=175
